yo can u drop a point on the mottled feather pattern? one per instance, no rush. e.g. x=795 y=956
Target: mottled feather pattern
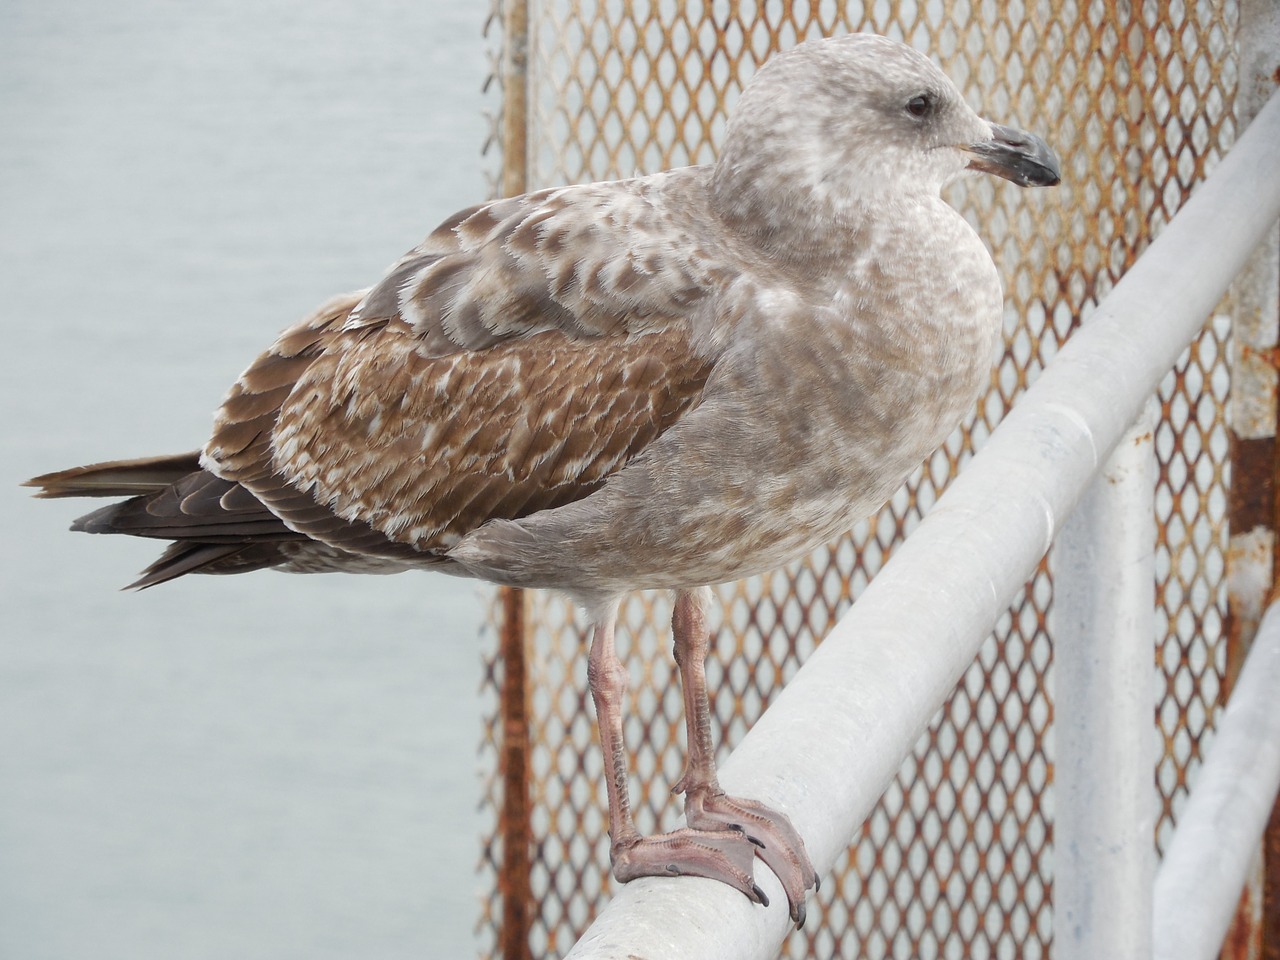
x=520 y=368
x=239 y=449
x=811 y=417
x=397 y=448
x=591 y=261
x=355 y=437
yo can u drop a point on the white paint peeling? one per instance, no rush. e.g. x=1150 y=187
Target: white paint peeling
x=1249 y=572
x=1082 y=427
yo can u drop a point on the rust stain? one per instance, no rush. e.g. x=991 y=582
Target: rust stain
x=1244 y=553
x=1244 y=936
x=1251 y=497
x=515 y=816
x=1270 y=923
x=1268 y=355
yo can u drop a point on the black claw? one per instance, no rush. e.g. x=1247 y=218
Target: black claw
x=758 y=843
x=798 y=915
x=817 y=883
x=764 y=901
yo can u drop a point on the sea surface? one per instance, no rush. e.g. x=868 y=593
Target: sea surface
x=259 y=766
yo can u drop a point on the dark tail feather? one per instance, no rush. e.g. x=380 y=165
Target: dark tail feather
x=185 y=557
x=217 y=525
x=181 y=558
x=117 y=478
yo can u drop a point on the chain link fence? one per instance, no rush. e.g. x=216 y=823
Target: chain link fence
x=956 y=860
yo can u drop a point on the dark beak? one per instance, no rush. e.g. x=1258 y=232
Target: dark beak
x=1021 y=157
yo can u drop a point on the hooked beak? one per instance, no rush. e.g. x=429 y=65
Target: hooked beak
x=1021 y=157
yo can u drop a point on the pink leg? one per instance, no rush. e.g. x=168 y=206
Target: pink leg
x=721 y=854
x=707 y=807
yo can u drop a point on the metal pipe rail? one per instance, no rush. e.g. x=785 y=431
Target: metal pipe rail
x=1198 y=886
x=834 y=738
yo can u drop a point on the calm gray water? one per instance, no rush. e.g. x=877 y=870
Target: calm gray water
x=262 y=766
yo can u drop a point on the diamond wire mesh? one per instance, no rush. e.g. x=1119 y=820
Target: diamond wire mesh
x=955 y=860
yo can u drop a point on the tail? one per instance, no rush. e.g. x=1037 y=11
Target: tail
x=117 y=478
x=217 y=525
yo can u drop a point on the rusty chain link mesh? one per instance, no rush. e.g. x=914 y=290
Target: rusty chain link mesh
x=955 y=860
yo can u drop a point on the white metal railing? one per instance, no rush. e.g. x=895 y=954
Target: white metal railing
x=1198 y=886
x=834 y=738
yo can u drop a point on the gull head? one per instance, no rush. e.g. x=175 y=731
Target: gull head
x=862 y=118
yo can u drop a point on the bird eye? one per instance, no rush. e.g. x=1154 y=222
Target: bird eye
x=920 y=105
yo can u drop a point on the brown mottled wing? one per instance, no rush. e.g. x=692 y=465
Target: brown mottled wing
x=240 y=449
x=595 y=260
x=379 y=450
x=494 y=391
x=428 y=449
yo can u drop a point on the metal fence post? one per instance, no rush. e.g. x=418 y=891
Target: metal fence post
x=1103 y=625
x=515 y=815
x=1255 y=306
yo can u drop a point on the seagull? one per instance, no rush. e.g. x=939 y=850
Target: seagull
x=666 y=382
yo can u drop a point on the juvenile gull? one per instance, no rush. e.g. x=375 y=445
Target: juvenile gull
x=664 y=382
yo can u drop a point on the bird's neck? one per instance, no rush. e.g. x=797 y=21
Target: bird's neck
x=804 y=228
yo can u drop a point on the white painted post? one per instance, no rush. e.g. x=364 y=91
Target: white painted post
x=1199 y=882
x=1103 y=628
x=1254 y=307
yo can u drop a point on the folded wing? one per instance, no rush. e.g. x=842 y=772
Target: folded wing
x=513 y=362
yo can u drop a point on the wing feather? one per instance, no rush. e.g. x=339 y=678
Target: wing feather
x=426 y=449
x=603 y=259
x=521 y=355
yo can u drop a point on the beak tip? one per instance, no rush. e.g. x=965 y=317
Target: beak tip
x=1022 y=158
